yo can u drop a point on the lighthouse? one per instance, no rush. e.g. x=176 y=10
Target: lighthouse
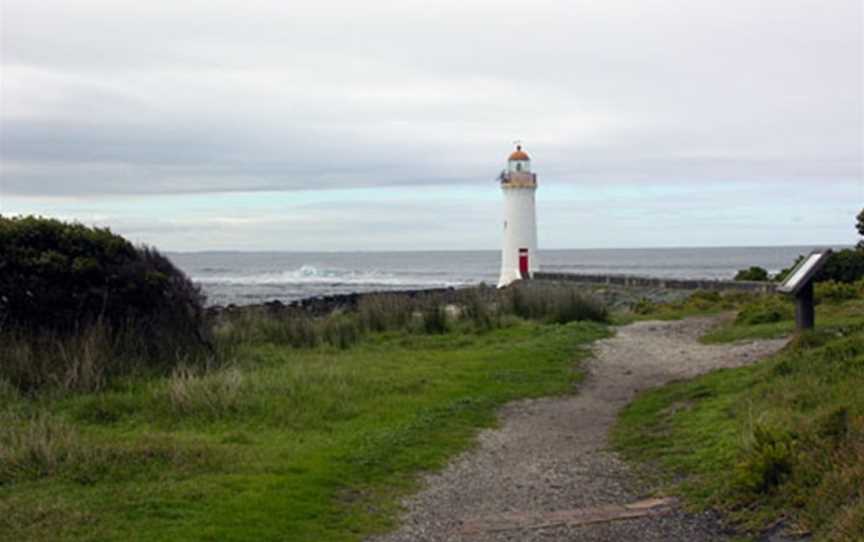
x=519 y=255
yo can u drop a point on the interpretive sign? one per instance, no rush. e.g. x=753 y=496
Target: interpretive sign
x=799 y=283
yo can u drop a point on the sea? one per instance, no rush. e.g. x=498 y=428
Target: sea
x=244 y=278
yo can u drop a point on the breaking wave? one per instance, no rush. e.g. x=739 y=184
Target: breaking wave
x=309 y=274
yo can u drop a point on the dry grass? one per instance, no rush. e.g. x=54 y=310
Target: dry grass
x=192 y=391
x=80 y=362
x=35 y=445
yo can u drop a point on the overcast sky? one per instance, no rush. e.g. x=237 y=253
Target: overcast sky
x=381 y=125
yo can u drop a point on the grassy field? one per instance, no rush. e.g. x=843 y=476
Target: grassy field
x=313 y=443
x=778 y=443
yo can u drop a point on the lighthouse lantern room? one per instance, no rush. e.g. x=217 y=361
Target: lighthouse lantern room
x=519 y=255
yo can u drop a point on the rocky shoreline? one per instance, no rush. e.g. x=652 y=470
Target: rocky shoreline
x=616 y=297
x=323 y=305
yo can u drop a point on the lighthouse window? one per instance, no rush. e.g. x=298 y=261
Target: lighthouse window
x=518 y=166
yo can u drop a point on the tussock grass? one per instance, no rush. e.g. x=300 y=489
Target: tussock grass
x=214 y=394
x=553 y=303
x=477 y=309
x=86 y=360
x=36 y=444
x=780 y=440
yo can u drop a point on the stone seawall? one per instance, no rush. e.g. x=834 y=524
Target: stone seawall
x=674 y=284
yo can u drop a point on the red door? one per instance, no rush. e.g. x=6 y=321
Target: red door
x=523 y=262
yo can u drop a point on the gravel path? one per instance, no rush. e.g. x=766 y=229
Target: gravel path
x=546 y=474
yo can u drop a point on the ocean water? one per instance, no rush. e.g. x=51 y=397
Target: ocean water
x=254 y=277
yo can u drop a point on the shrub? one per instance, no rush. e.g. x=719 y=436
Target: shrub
x=767 y=463
x=64 y=277
x=754 y=273
x=845 y=265
x=835 y=292
x=70 y=294
x=767 y=310
x=859 y=225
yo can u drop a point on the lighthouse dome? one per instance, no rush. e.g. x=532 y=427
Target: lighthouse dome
x=519 y=161
x=519 y=154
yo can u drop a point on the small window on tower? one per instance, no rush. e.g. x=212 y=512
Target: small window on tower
x=518 y=166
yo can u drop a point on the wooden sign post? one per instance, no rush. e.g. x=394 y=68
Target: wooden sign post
x=799 y=283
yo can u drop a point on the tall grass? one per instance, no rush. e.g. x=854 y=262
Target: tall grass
x=553 y=303
x=89 y=359
x=34 y=445
x=480 y=309
x=216 y=394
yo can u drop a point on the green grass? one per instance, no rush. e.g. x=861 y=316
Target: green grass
x=699 y=303
x=779 y=441
x=283 y=444
x=828 y=316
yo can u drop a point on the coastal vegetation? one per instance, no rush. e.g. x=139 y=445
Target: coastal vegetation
x=846 y=265
x=776 y=445
x=298 y=443
x=753 y=273
x=121 y=421
x=128 y=411
x=80 y=305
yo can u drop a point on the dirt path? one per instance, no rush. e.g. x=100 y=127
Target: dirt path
x=546 y=473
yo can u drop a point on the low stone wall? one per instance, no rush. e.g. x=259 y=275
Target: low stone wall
x=646 y=282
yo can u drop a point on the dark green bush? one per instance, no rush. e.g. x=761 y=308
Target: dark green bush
x=754 y=273
x=61 y=281
x=859 y=225
x=845 y=265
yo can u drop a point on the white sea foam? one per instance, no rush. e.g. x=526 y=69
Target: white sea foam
x=308 y=274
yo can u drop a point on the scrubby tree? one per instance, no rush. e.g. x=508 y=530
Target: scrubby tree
x=754 y=273
x=63 y=279
x=860 y=227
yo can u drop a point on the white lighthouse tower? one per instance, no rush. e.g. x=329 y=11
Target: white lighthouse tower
x=519 y=256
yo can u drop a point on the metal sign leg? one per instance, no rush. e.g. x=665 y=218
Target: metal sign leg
x=805 y=314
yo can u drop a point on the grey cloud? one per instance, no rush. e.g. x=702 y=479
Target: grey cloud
x=112 y=97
